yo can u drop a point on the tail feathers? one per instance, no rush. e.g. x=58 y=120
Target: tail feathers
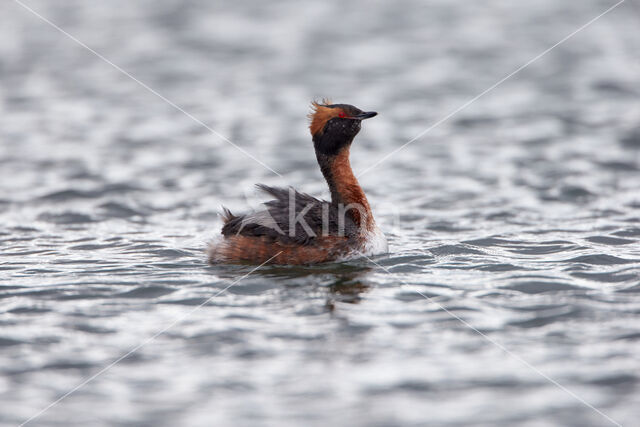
x=227 y=215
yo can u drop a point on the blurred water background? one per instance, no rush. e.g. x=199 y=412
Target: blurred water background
x=520 y=214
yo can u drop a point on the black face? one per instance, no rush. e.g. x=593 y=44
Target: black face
x=340 y=131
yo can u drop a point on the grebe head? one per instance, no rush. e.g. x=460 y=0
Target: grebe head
x=333 y=126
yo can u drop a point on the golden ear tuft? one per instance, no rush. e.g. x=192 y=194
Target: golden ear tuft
x=320 y=114
x=315 y=105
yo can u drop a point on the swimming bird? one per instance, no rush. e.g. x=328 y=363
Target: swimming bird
x=296 y=228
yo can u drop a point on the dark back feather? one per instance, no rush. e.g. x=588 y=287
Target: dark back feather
x=277 y=222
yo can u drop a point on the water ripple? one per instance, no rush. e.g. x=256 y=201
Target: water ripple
x=520 y=215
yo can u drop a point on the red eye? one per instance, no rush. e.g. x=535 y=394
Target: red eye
x=342 y=115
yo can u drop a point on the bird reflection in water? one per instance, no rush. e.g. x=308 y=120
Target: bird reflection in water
x=346 y=288
x=344 y=282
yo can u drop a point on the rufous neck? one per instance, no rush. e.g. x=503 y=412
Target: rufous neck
x=345 y=188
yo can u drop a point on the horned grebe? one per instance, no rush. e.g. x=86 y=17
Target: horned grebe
x=296 y=228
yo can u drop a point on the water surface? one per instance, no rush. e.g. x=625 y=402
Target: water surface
x=516 y=221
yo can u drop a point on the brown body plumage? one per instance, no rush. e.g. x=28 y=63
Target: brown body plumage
x=332 y=230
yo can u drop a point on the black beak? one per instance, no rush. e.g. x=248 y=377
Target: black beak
x=365 y=115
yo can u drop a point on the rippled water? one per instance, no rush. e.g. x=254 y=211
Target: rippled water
x=519 y=216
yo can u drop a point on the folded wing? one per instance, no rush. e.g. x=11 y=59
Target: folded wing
x=290 y=217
